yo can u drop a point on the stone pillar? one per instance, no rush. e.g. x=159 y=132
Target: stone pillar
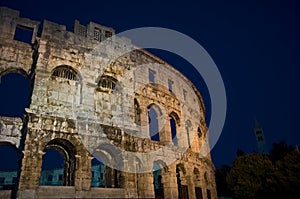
x=83 y=172
x=165 y=129
x=31 y=170
x=145 y=185
x=191 y=186
x=129 y=184
x=169 y=182
x=144 y=123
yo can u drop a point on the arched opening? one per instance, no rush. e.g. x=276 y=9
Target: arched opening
x=107 y=83
x=107 y=157
x=173 y=130
x=198 y=189
x=65 y=86
x=188 y=125
x=9 y=167
x=58 y=166
x=174 y=123
x=52 y=168
x=182 y=188
x=98 y=173
x=153 y=115
x=157 y=181
x=66 y=72
x=137 y=112
x=15 y=94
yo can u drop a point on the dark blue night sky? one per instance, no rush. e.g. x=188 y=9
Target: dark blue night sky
x=255 y=45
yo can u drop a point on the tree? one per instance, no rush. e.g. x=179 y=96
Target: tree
x=250 y=175
x=279 y=150
x=288 y=175
x=222 y=186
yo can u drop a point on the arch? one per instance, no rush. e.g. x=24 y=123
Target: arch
x=157 y=179
x=107 y=83
x=15 y=89
x=188 y=126
x=154 y=112
x=196 y=174
x=10 y=164
x=61 y=77
x=156 y=108
x=20 y=71
x=66 y=72
x=173 y=126
x=137 y=112
x=109 y=155
x=98 y=173
x=199 y=132
x=111 y=158
x=159 y=164
x=180 y=175
x=52 y=168
x=68 y=152
x=175 y=117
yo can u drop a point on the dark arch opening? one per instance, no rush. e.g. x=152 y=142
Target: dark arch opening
x=173 y=130
x=153 y=114
x=110 y=158
x=10 y=166
x=188 y=125
x=98 y=173
x=58 y=165
x=157 y=181
x=66 y=72
x=15 y=94
x=137 y=112
x=182 y=189
x=52 y=168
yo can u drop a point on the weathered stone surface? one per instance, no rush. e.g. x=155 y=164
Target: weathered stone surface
x=88 y=97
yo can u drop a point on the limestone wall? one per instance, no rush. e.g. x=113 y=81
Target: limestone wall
x=85 y=92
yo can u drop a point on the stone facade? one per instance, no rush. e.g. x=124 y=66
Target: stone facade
x=81 y=88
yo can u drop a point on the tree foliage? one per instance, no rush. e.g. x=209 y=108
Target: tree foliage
x=250 y=175
x=261 y=176
x=222 y=186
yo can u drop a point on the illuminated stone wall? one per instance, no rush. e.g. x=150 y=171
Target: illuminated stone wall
x=81 y=87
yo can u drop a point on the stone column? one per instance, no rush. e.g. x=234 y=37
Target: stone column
x=128 y=180
x=145 y=185
x=169 y=182
x=129 y=184
x=191 y=186
x=31 y=170
x=83 y=172
x=165 y=129
x=144 y=123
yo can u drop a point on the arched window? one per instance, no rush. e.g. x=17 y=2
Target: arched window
x=65 y=87
x=196 y=174
x=59 y=159
x=199 y=132
x=153 y=113
x=174 y=123
x=180 y=174
x=52 y=164
x=173 y=130
x=65 y=72
x=98 y=172
x=157 y=181
x=137 y=112
x=188 y=125
x=107 y=83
